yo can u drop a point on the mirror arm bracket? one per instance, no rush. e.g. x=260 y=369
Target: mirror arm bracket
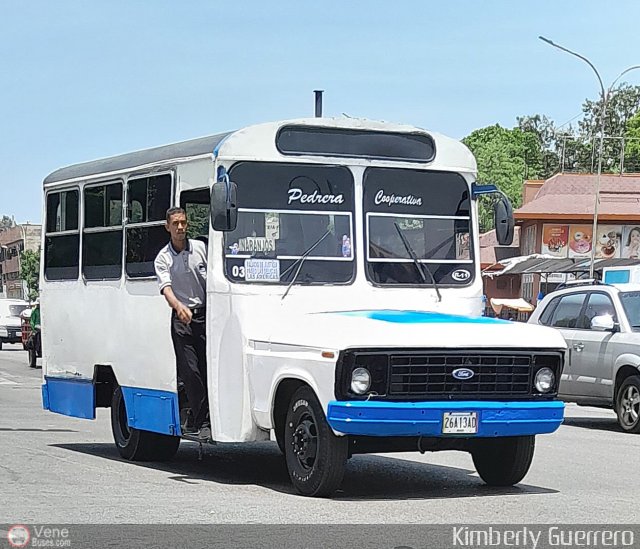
x=479 y=190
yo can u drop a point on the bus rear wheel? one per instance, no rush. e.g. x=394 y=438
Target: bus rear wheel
x=316 y=457
x=503 y=461
x=134 y=444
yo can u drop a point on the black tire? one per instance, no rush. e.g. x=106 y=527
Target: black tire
x=1 y=344
x=134 y=444
x=279 y=434
x=33 y=356
x=628 y=405
x=503 y=461
x=316 y=458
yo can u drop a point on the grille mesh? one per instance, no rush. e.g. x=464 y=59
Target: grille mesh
x=429 y=375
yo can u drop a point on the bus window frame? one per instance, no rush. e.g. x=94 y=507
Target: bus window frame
x=352 y=226
x=90 y=230
x=125 y=219
x=472 y=261
x=58 y=190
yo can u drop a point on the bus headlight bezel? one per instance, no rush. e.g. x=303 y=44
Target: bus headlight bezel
x=360 y=380
x=544 y=380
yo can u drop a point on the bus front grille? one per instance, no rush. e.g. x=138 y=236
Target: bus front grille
x=420 y=375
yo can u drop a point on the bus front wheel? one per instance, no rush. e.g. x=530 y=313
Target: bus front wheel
x=503 y=461
x=316 y=457
x=134 y=444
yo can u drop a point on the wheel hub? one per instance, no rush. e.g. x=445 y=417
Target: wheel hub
x=631 y=405
x=305 y=443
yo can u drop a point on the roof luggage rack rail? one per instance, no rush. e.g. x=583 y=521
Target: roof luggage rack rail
x=579 y=282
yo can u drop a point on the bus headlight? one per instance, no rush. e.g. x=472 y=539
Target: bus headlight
x=360 y=381
x=544 y=380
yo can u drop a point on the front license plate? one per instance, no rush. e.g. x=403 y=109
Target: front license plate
x=460 y=423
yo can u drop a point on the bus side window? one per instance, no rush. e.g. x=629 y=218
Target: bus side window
x=62 y=238
x=148 y=199
x=102 y=232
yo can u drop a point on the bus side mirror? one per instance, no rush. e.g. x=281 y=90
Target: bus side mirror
x=503 y=217
x=224 y=210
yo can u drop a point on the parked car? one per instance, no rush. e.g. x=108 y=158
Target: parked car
x=601 y=325
x=10 y=328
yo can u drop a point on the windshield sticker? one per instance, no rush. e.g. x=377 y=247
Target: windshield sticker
x=252 y=244
x=462 y=246
x=346 y=246
x=272 y=225
x=461 y=275
x=391 y=199
x=296 y=195
x=262 y=270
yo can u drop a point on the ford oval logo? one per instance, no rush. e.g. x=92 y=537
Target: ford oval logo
x=463 y=373
x=461 y=274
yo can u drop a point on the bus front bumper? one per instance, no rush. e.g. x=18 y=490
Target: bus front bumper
x=493 y=418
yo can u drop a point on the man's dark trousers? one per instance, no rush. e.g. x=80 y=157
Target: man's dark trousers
x=190 y=344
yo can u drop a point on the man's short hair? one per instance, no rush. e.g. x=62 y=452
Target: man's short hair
x=173 y=211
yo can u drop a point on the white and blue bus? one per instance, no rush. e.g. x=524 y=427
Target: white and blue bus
x=344 y=300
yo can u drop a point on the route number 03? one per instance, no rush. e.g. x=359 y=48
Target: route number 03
x=237 y=271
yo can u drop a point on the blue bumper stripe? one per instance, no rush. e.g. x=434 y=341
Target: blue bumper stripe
x=423 y=317
x=495 y=419
x=69 y=396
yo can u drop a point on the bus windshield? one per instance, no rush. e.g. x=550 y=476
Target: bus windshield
x=283 y=209
x=432 y=211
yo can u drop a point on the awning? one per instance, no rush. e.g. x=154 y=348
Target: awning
x=518 y=304
x=544 y=264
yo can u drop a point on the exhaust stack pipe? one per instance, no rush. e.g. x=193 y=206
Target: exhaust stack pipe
x=318 y=94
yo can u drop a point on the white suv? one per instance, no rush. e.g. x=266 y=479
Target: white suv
x=601 y=325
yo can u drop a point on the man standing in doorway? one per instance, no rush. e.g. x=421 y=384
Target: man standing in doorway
x=181 y=268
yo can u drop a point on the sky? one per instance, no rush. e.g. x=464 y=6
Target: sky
x=84 y=80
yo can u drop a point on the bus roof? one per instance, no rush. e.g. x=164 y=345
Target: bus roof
x=184 y=149
x=451 y=154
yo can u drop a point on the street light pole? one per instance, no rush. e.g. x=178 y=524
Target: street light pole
x=605 y=95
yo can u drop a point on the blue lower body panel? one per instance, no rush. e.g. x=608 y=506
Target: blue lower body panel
x=495 y=419
x=147 y=409
x=152 y=410
x=69 y=396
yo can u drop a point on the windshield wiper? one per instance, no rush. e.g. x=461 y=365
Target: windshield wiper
x=417 y=263
x=300 y=261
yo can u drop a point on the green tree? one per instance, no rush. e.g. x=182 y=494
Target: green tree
x=5 y=222
x=198 y=218
x=549 y=140
x=632 y=144
x=30 y=272
x=623 y=105
x=505 y=158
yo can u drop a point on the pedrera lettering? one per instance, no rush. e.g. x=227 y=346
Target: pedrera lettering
x=296 y=195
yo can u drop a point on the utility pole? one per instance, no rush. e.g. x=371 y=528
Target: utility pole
x=605 y=96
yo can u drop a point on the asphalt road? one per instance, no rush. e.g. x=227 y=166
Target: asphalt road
x=55 y=469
